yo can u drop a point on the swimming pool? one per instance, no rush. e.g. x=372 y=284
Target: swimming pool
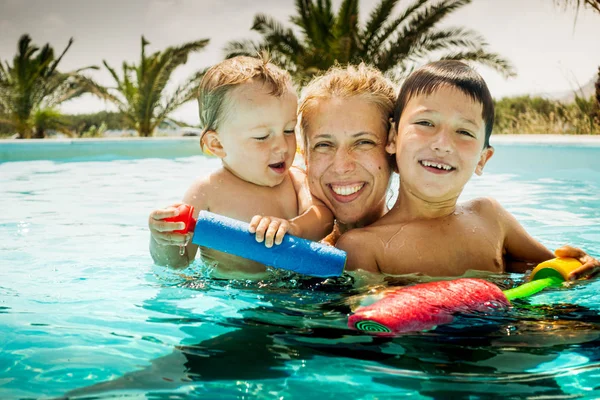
x=83 y=310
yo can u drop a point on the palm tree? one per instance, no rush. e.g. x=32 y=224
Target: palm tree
x=391 y=43
x=140 y=92
x=33 y=84
x=593 y=4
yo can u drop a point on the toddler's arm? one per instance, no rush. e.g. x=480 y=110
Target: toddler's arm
x=172 y=249
x=165 y=245
x=314 y=222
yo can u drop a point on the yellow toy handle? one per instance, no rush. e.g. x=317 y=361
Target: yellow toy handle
x=559 y=267
x=548 y=273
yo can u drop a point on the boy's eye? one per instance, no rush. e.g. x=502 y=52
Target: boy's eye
x=466 y=133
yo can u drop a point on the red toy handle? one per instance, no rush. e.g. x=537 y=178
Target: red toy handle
x=186 y=213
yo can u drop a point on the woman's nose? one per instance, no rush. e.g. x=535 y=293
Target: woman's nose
x=343 y=161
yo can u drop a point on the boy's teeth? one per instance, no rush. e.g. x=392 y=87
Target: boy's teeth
x=436 y=165
x=347 y=190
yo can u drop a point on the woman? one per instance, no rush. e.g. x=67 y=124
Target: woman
x=345 y=119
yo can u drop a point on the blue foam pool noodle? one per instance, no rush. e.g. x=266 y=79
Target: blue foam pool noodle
x=294 y=254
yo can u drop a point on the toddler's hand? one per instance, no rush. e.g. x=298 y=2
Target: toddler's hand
x=270 y=229
x=590 y=266
x=162 y=231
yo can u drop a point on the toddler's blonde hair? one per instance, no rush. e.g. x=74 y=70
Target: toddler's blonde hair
x=221 y=78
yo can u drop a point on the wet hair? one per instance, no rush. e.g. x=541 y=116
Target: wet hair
x=345 y=82
x=456 y=74
x=224 y=77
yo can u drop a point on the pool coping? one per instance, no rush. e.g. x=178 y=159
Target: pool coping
x=171 y=147
x=98 y=148
x=546 y=139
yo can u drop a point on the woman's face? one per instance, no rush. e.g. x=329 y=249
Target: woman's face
x=347 y=162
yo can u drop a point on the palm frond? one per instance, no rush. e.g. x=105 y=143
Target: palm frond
x=377 y=18
x=490 y=60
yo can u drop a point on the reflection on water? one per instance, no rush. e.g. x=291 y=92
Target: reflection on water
x=301 y=323
x=83 y=310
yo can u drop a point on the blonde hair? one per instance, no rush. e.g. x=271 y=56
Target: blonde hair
x=221 y=78
x=345 y=82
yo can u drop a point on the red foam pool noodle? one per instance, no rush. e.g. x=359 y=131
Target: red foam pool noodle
x=424 y=306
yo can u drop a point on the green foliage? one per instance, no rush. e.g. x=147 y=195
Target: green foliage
x=80 y=123
x=140 y=92
x=392 y=43
x=33 y=84
x=48 y=119
x=525 y=114
x=93 y=131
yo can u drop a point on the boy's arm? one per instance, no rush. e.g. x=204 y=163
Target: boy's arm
x=521 y=251
x=165 y=246
x=361 y=251
x=589 y=265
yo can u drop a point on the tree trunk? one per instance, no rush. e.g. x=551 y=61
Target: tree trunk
x=39 y=133
x=598 y=96
x=598 y=88
x=23 y=130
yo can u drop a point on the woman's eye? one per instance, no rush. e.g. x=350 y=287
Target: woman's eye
x=321 y=145
x=261 y=138
x=424 y=123
x=289 y=132
x=365 y=143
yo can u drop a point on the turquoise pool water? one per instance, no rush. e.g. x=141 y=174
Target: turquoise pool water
x=84 y=312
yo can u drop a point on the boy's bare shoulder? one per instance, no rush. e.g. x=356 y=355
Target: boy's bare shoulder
x=483 y=205
x=363 y=248
x=358 y=238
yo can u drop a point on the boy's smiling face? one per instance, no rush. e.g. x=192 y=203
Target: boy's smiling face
x=440 y=144
x=256 y=136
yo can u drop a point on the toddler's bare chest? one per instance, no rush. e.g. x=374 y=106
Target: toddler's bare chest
x=244 y=204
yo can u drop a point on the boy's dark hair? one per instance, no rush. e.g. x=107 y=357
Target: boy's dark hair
x=457 y=74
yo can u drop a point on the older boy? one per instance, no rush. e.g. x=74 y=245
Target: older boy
x=443 y=119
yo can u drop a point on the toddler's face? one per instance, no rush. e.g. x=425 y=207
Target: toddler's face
x=440 y=144
x=257 y=133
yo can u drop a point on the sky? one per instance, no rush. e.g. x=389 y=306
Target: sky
x=551 y=53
